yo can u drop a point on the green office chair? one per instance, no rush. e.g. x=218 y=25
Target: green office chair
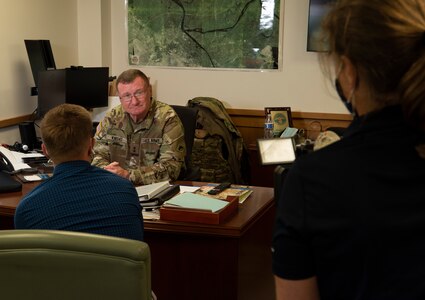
x=47 y=264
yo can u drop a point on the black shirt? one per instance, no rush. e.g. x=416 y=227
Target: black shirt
x=353 y=213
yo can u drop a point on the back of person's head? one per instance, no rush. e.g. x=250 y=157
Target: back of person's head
x=66 y=131
x=385 y=40
x=130 y=75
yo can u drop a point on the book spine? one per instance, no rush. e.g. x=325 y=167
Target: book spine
x=150 y=203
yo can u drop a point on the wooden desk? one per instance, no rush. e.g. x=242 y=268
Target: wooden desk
x=9 y=202
x=260 y=175
x=200 y=261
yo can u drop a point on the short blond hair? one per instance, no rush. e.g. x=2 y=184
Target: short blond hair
x=66 y=130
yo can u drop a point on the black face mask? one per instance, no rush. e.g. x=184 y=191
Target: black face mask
x=344 y=100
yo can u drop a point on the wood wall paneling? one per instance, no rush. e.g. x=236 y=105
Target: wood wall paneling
x=250 y=123
x=15 y=121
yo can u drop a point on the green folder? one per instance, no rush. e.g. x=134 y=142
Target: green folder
x=194 y=201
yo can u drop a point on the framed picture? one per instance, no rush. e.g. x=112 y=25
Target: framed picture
x=281 y=117
x=219 y=34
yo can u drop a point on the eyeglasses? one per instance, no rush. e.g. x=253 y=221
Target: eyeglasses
x=138 y=95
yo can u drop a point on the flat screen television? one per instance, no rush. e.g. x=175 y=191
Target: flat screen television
x=40 y=56
x=87 y=87
x=317 y=10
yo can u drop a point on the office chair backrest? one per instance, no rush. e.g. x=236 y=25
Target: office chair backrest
x=188 y=116
x=47 y=264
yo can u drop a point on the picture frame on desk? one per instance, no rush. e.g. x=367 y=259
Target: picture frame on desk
x=281 y=117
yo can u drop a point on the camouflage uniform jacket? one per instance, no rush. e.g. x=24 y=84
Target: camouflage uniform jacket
x=152 y=150
x=216 y=121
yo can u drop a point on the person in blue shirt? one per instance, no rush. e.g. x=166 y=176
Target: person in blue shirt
x=79 y=196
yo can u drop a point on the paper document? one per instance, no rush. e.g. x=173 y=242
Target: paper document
x=150 y=214
x=33 y=178
x=188 y=188
x=21 y=156
x=194 y=201
x=289 y=132
x=14 y=158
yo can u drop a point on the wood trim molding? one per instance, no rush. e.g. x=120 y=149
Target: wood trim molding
x=15 y=121
x=250 y=122
x=253 y=119
x=295 y=114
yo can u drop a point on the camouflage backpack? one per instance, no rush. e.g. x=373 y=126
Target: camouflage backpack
x=218 y=149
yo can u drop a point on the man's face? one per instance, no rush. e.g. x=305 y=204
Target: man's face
x=135 y=98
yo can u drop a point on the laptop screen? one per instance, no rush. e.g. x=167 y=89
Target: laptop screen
x=276 y=151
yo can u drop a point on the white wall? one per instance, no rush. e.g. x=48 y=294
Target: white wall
x=89 y=33
x=55 y=20
x=299 y=84
x=93 y=33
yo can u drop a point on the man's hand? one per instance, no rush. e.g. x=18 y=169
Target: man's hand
x=115 y=168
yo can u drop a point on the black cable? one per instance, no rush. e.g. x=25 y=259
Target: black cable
x=34 y=115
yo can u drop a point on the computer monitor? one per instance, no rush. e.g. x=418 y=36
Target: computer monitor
x=317 y=11
x=40 y=56
x=87 y=87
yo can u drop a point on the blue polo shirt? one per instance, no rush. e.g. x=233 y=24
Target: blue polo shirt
x=85 y=198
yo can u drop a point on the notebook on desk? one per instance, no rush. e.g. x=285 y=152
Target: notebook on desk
x=157 y=200
x=148 y=191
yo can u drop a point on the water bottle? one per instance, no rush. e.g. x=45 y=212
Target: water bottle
x=268 y=127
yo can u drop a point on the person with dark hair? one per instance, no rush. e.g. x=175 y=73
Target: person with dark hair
x=79 y=196
x=141 y=139
x=351 y=216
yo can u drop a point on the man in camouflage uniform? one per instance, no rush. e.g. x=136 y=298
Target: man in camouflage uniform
x=142 y=139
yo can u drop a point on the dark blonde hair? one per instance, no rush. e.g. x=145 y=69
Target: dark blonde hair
x=66 y=130
x=129 y=76
x=385 y=40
